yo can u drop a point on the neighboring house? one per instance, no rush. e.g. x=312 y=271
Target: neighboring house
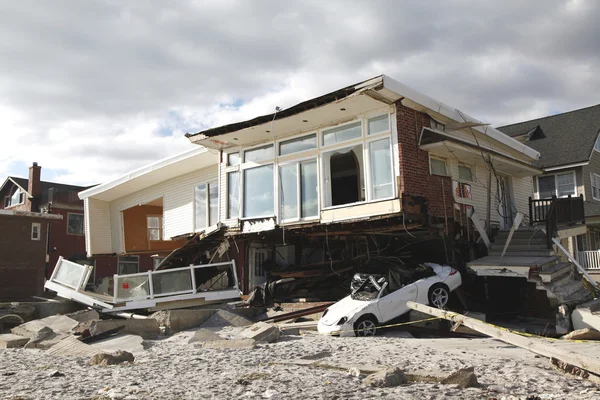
x=347 y=173
x=569 y=145
x=65 y=236
x=23 y=244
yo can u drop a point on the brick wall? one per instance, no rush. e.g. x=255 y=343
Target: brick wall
x=414 y=164
x=22 y=260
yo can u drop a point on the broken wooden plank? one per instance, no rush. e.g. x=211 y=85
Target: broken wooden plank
x=580 y=355
x=296 y=314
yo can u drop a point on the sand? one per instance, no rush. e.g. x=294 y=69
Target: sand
x=173 y=369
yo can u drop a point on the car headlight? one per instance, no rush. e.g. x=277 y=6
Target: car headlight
x=343 y=321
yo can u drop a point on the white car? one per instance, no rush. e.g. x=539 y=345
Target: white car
x=379 y=298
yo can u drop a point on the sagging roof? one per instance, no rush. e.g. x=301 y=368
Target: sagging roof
x=567 y=139
x=380 y=88
x=152 y=174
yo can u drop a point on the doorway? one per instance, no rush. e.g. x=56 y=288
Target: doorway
x=345 y=178
x=258 y=274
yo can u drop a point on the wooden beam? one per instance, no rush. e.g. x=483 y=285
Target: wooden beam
x=580 y=355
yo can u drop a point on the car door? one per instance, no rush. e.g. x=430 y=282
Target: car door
x=394 y=304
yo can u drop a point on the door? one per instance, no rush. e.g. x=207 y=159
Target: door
x=258 y=275
x=505 y=204
x=394 y=304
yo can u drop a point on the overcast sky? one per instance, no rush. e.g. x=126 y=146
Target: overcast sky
x=92 y=89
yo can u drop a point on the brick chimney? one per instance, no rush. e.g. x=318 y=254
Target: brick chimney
x=34 y=186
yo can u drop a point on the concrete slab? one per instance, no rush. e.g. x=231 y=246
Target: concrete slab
x=587 y=315
x=262 y=332
x=70 y=346
x=583 y=334
x=204 y=335
x=179 y=320
x=58 y=323
x=223 y=318
x=146 y=328
x=131 y=343
x=230 y=344
x=8 y=341
x=84 y=315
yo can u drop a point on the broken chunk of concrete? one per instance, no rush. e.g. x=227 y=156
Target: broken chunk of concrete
x=131 y=343
x=464 y=377
x=8 y=341
x=118 y=357
x=72 y=347
x=262 y=332
x=583 y=334
x=44 y=333
x=146 y=328
x=204 y=335
x=84 y=315
x=58 y=323
x=223 y=318
x=179 y=320
x=230 y=344
x=386 y=378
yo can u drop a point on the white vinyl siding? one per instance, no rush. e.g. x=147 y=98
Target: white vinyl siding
x=97 y=220
x=178 y=205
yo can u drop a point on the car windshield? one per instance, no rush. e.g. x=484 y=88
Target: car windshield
x=366 y=287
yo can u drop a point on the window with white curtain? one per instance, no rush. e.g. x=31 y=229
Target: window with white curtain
x=565 y=184
x=559 y=185
x=380 y=160
x=298 y=190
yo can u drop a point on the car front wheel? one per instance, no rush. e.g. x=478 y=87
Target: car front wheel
x=366 y=326
x=439 y=295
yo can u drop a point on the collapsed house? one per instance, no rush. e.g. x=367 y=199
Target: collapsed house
x=298 y=200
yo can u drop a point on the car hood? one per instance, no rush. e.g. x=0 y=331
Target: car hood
x=344 y=308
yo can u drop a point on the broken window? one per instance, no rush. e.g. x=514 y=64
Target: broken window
x=206 y=205
x=299 y=193
x=297 y=145
x=379 y=124
x=380 y=159
x=258 y=192
x=154 y=224
x=128 y=265
x=36 y=228
x=344 y=178
x=233 y=194
x=75 y=224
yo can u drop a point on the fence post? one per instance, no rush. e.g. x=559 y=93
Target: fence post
x=531 y=216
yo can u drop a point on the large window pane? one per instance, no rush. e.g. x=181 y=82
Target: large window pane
x=233 y=194
x=233 y=159
x=379 y=124
x=297 y=145
x=308 y=189
x=200 y=205
x=381 y=169
x=213 y=199
x=566 y=184
x=546 y=187
x=289 y=191
x=258 y=192
x=259 y=154
x=342 y=133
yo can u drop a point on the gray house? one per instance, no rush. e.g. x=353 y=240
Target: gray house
x=569 y=145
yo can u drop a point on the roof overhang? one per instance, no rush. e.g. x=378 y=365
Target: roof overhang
x=471 y=153
x=566 y=166
x=152 y=174
x=344 y=104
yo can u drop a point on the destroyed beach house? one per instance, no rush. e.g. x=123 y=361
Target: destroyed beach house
x=297 y=201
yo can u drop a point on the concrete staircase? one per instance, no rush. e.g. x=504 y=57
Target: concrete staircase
x=528 y=256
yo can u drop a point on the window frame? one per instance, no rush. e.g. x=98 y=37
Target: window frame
x=471 y=167
x=369 y=195
x=442 y=159
x=137 y=262
x=297 y=163
x=82 y=224
x=207 y=205
x=597 y=144
x=37 y=225
x=593 y=177
x=555 y=175
x=295 y=138
x=160 y=227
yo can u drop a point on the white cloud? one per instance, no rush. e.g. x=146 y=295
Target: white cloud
x=93 y=89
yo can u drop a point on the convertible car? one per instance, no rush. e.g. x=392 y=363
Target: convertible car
x=377 y=298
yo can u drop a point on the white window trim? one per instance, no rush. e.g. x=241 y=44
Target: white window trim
x=39 y=231
x=208 y=183
x=317 y=154
x=444 y=160
x=290 y=138
x=555 y=175
x=592 y=175
x=297 y=163
x=82 y=226
x=160 y=228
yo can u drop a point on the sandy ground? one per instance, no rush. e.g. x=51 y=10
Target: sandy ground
x=173 y=369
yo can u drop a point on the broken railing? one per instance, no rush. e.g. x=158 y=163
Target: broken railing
x=556 y=213
x=172 y=282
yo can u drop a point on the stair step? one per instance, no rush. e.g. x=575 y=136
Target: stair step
x=520 y=247
x=532 y=253
x=522 y=235
x=555 y=272
x=522 y=241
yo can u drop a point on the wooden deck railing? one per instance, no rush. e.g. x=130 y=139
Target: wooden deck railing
x=589 y=259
